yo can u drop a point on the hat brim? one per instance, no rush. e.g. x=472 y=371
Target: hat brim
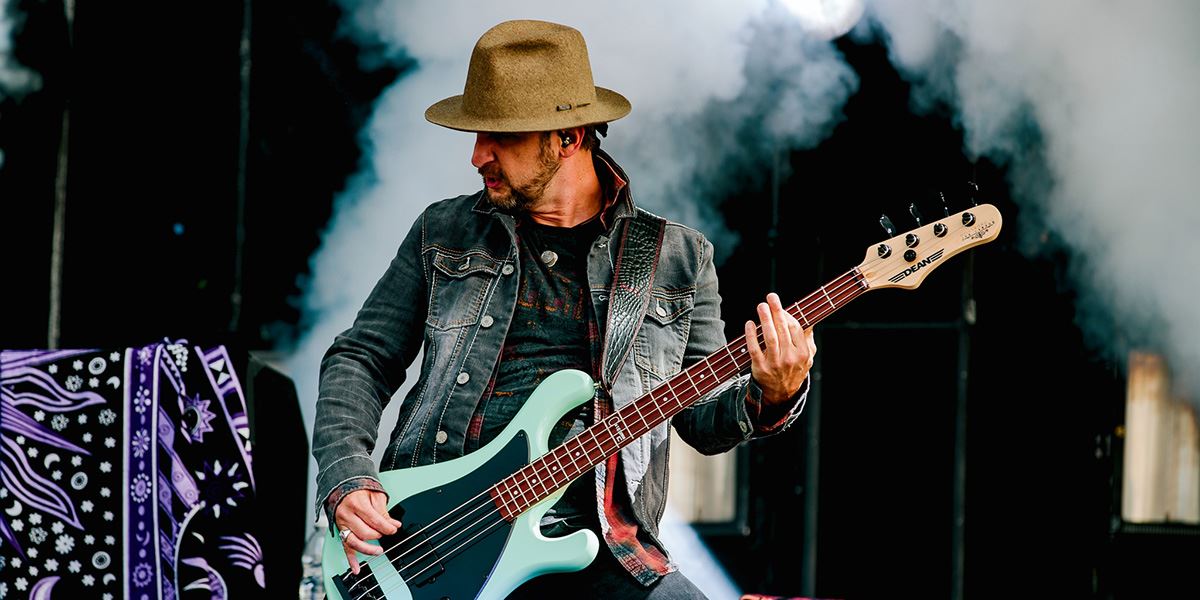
x=609 y=106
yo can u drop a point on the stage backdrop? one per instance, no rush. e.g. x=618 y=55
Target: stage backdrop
x=131 y=473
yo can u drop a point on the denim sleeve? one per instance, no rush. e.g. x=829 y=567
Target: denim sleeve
x=730 y=414
x=365 y=366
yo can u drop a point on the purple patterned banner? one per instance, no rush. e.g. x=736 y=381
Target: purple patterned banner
x=126 y=474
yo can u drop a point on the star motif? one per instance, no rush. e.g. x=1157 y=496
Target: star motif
x=76 y=460
x=86 y=506
x=39 y=415
x=52 y=369
x=51 y=564
x=87 y=437
x=114 y=357
x=108 y=516
x=196 y=412
x=93 y=382
x=82 y=419
x=56 y=475
x=106 y=466
x=88 y=580
x=73 y=566
x=77 y=365
x=110 y=442
x=89 y=539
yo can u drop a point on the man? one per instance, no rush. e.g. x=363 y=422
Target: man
x=512 y=283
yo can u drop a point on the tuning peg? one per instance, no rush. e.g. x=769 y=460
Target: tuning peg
x=974 y=192
x=887 y=226
x=916 y=214
x=945 y=204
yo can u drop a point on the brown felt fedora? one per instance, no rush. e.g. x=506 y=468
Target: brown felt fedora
x=529 y=76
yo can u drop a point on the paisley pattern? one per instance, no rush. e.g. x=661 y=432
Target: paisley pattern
x=126 y=474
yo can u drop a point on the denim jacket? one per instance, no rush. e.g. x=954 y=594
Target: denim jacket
x=452 y=288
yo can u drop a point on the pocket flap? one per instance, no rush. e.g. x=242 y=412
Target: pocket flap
x=666 y=307
x=461 y=265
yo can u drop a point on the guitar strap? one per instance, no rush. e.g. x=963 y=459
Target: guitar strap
x=637 y=259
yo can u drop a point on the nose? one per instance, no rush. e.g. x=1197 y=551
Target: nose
x=483 y=153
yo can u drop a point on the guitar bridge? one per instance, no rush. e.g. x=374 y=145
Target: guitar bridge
x=363 y=586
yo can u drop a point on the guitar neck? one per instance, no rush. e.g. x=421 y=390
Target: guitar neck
x=540 y=478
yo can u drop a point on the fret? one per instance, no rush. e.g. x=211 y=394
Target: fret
x=674 y=396
x=800 y=317
x=688 y=377
x=557 y=469
x=655 y=402
x=716 y=378
x=637 y=410
x=827 y=299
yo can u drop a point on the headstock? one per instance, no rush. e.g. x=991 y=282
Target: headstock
x=904 y=260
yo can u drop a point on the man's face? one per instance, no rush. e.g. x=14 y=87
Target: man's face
x=516 y=167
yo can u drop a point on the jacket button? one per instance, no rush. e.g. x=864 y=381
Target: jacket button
x=744 y=426
x=486 y=321
x=441 y=437
x=506 y=269
x=466 y=265
x=463 y=378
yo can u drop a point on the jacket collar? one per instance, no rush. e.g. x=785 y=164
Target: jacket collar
x=620 y=208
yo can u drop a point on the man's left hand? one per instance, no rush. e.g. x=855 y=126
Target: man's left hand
x=781 y=361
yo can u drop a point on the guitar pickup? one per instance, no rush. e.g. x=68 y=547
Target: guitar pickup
x=414 y=556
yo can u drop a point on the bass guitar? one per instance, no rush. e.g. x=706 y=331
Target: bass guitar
x=470 y=525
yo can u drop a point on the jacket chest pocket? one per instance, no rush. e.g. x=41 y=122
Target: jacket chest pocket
x=459 y=285
x=663 y=337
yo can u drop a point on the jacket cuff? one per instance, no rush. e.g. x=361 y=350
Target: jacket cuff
x=766 y=419
x=340 y=492
x=340 y=471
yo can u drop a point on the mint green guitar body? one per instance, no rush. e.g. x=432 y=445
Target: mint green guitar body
x=526 y=552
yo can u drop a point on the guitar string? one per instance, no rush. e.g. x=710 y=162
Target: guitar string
x=850 y=280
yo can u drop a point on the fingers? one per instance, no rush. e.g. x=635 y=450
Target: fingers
x=377 y=516
x=757 y=359
x=352 y=546
x=770 y=336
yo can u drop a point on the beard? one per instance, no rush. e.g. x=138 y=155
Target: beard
x=518 y=198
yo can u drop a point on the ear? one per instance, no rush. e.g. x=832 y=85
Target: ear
x=570 y=141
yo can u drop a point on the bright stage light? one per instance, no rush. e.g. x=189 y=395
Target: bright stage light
x=827 y=19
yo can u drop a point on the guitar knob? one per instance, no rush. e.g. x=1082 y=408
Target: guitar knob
x=884 y=250
x=968 y=219
x=939 y=230
x=910 y=255
x=911 y=240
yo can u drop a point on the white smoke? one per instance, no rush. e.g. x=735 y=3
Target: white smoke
x=1093 y=105
x=699 y=75
x=15 y=80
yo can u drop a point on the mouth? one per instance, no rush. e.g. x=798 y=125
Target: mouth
x=491 y=182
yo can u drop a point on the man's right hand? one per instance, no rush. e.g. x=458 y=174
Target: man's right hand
x=364 y=513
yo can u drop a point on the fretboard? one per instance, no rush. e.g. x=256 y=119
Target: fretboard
x=558 y=467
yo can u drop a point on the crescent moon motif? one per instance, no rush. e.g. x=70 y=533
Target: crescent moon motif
x=50 y=459
x=41 y=589
x=15 y=510
x=114 y=381
x=109 y=578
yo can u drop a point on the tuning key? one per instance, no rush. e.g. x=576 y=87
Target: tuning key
x=916 y=214
x=886 y=223
x=974 y=192
x=945 y=204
